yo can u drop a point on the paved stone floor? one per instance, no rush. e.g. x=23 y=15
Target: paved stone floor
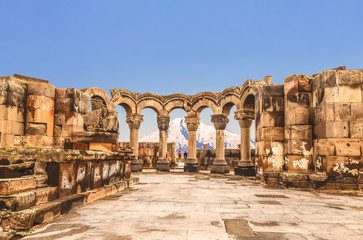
x=198 y=206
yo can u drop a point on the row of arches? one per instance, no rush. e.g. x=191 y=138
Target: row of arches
x=221 y=103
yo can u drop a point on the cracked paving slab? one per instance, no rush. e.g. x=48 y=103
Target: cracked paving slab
x=171 y=206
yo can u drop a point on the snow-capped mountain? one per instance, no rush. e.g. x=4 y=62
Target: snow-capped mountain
x=206 y=134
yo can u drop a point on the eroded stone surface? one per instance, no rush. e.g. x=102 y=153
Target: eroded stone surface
x=170 y=206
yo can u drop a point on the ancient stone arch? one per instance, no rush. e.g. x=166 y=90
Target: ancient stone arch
x=221 y=104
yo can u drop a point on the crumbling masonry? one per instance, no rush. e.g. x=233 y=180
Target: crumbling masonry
x=57 y=152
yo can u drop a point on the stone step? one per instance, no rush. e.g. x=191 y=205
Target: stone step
x=10 y=186
x=47 y=194
x=71 y=202
x=17 y=202
x=47 y=211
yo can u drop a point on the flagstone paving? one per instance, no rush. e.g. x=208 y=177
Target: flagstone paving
x=200 y=206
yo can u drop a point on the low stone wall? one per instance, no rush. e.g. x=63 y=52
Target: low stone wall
x=37 y=185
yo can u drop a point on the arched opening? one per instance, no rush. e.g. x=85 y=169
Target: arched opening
x=249 y=108
x=206 y=139
x=232 y=137
x=177 y=136
x=148 y=138
x=124 y=130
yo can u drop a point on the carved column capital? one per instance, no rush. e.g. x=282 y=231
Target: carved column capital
x=163 y=123
x=134 y=120
x=220 y=121
x=192 y=123
x=245 y=123
x=244 y=114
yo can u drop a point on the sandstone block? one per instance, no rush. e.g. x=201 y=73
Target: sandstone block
x=273 y=104
x=67 y=179
x=347 y=147
x=324 y=147
x=17 y=202
x=97 y=174
x=105 y=147
x=16 y=185
x=272 y=119
x=48 y=194
x=36 y=129
x=71 y=202
x=21 y=220
x=95 y=194
x=47 y=211
x=302 y=132
x=298 y=147
x=342 y=111
x=60 y=93
x=59 y=119
x=63 y=104
x=38 y=141
x=357 y=111
x=331 y=95
x=41 y=89
x=18 y=128
x=273 y=133
x=300 y=163
x=350 y=94
x=356 y=129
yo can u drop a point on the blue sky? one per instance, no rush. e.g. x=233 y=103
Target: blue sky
x=176 y=46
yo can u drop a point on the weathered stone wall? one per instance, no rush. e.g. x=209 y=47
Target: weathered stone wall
x=270 y=138
x=338 y=129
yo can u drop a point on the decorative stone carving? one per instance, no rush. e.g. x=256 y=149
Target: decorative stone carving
x=192 y=123
x=134 y=120
x=101 y=120
x=163 y=123
x=220 y=121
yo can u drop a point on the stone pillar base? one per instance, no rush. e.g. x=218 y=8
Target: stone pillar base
x=135 y=165
x=163 y=165
x=191 y=165
x=219 y=166
x=248 y=171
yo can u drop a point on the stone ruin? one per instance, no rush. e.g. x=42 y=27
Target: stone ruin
x=58 y=152
x=55 y=153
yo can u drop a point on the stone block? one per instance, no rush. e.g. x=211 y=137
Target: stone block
x=342 y=111
x=40 y=116
x=18 y=128
x=71 y=202
x=62 y=104
x=350 y=94
x=6 y=126
x=273 y=104
x=73 y=119
x=38 y=141
x=97 y=175
x=331 y=95
x=41 y=89
x=330 y=161
x=21 y=220
x=299 y=163
x=104 y=147
x=67 y=179
x=36 y=129
x=47 y=194
x=356 y=129
x=302 y=132
x=356 y=111
x=272 y=133
x=59 y=119
x=348 y=147
x=298 y=147
x=60 y=93
x=81 y=146
x=6 y=140
x=298 y=115
x=272 y=119
x=47 y=211
x=17 y=202
x=16 y=185
x=94 y=195
x=324 y=147
x=40 y=102
x=84 y=176
x=272 y=163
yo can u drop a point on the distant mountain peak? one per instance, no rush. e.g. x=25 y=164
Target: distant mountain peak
x=206 y=134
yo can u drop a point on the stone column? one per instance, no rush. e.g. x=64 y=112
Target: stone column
x=245 y=167
x=162 y=163
x=191 y=164
x=134 y=120
x=220 y=123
